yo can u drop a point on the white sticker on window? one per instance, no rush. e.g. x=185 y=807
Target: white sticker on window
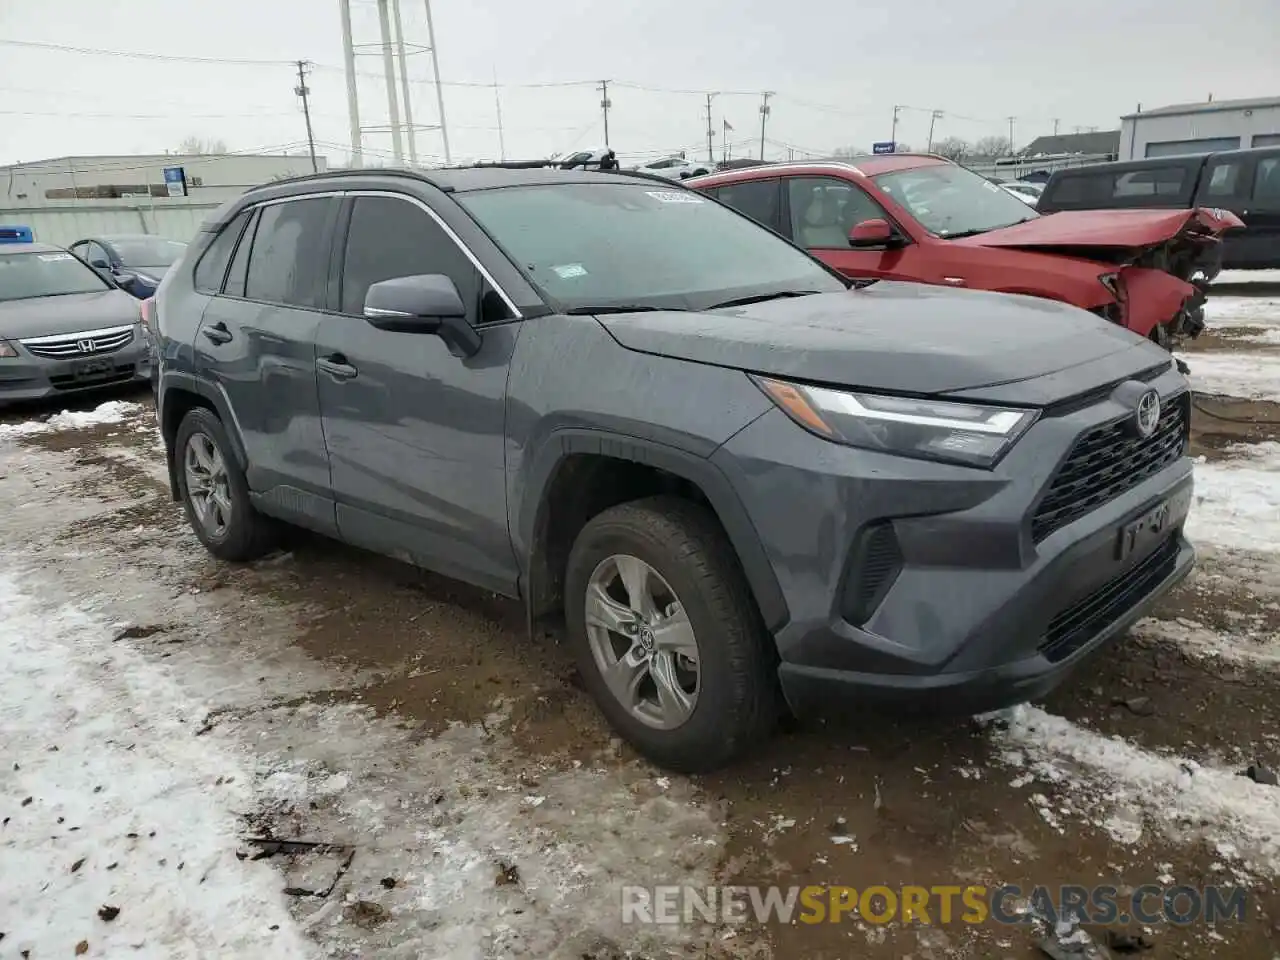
x=52 y=257
x=672 y=196
x=993 y=187
x=567 y=271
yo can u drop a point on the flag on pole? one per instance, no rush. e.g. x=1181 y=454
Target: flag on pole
x=727 y=126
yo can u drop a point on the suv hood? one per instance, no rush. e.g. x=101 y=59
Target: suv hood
x=1078 y=230
x=42 y=316
x=897 y=337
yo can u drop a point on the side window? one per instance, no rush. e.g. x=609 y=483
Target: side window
x=289 y=262
x=1266 y=184
x=96 y=255
x=234 y=286
x=388 y=238
x=212 y=267
x=1222 y=180
x=824 y=210
x=758 y=199
x=1160 y=182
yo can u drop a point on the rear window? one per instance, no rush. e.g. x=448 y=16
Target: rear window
x=26 y=276
x=1160 y=182
x=1098 y=188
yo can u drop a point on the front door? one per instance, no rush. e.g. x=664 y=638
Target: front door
x=822 y=211
x=415 y=434
x=257 y=344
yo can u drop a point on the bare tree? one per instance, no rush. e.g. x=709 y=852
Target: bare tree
x=953 y=148
x=845 y=153
x=193 y=146
x=994 y=146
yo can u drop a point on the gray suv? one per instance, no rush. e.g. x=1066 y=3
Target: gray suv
x=743 y=479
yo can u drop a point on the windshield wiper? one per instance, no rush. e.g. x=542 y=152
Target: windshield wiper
x=616 y=308
x=761 y=298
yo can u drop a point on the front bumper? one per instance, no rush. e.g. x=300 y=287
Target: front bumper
x=27 y=377
x=975 y=613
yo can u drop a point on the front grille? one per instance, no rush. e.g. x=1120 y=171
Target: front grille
x=1079 y=623
x=876 y=563
x=71 y=346
x=1106 y=462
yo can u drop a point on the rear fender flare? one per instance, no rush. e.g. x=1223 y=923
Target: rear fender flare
x=695 y=469
x=173 y=381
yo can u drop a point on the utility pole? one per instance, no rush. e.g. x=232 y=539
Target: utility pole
x=764 y=117
x=934 y=117
x=435 y=70
x=893 y=134
x=710 y=132
x=303 y=91
x=389 y=68
x=1055 y=126
x=1011 y=119
x=497 y=106
x=404 y=83
x=353 y=97
x=605 y=104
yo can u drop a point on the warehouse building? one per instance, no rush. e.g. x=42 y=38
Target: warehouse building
x=207 y=177
x=1200 y=128
x=68 y=198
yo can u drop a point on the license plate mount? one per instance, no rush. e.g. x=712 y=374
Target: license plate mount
x=1141 y=533
x=88 y=369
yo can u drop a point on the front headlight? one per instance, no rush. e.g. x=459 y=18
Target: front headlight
x=6 y=350
x=967 y=433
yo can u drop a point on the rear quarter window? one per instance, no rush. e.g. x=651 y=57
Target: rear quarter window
x=211 y=269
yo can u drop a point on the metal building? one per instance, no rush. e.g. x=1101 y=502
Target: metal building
x=1200 y=128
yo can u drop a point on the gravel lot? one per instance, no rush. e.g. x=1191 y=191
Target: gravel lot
x=448 y=791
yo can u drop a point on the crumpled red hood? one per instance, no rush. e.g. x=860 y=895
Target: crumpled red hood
x=1108 y=228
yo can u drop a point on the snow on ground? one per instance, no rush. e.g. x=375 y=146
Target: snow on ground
x=110 y=802
x=1259 y=646
x=1225 y=314
x=113 y=411
x=440 y=815
x=1248 y=276
x=1124 y=789
x=1237 y=501
x=1244 y=375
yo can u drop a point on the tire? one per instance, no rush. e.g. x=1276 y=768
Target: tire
x=737 y=702
x=246 y=534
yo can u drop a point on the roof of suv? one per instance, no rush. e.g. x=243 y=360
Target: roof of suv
x=867 y=166
x=464 y=179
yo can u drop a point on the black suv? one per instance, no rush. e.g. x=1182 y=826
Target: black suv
x=735 y=472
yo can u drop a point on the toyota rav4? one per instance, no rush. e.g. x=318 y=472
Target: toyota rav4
x=744 y=480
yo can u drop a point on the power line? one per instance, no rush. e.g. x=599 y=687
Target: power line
x=139 y=55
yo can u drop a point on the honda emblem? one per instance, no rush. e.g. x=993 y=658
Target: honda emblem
x=86 y=346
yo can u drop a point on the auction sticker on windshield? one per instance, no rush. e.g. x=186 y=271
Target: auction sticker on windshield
x=54 y=257
x=671 y=196
x=567 y=271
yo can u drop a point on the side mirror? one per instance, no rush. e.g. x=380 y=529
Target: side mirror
x=124 y=278
x=99 y=264
x=424 y=303
x=871 y=233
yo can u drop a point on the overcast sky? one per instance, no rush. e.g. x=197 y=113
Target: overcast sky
x=837 y=66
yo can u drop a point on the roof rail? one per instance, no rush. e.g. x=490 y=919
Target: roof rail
x=346 y=172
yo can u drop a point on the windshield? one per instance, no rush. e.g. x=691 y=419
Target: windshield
x=602 y=244
x=147 y=251
x=54 y=274
x=951 y=201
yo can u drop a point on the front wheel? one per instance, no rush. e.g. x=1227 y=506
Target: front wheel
x=667 y=636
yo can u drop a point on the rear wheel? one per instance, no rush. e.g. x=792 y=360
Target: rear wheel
x=214 y=491
x=667 y=636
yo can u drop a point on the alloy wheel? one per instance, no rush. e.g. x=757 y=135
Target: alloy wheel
x=208 y=485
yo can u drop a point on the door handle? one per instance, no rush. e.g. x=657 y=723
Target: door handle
x=217 y=333
x=336 y=366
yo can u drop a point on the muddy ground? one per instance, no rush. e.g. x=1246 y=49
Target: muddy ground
x=924 y=802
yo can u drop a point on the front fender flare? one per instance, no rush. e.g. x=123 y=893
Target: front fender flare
x=697 y=470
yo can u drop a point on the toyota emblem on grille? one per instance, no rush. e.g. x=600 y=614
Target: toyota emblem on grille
x=1148 y=415
x=86 y=346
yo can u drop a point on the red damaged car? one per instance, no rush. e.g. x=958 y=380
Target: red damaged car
x=925 y=219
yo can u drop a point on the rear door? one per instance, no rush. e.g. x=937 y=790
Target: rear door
x=256 y=344
x=415 y=434
x=1259 y=243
